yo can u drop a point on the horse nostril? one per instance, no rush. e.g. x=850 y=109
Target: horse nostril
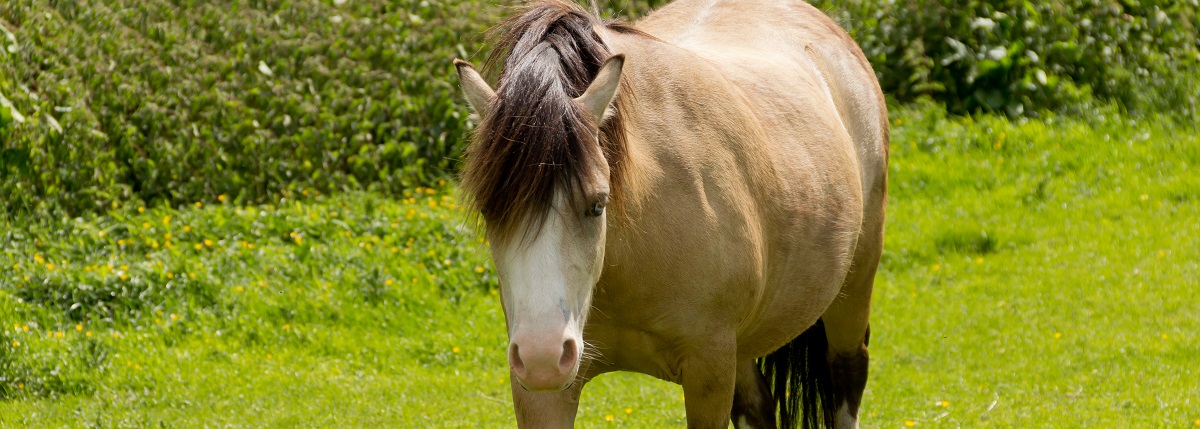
x=514 y=359
x=569 y=355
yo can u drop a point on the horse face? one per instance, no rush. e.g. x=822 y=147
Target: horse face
x=547 y=274
x=547 y=281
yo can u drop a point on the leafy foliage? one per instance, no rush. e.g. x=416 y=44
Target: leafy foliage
x=1022 y=56
x=185 y=100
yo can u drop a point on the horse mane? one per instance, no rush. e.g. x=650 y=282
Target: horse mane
x=535 y=137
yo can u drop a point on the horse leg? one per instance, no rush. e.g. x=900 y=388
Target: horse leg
x=546 y=409
x=848 y=332
x=708 y=384
x=753 y=406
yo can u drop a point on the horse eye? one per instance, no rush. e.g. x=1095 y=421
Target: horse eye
x=596 y=209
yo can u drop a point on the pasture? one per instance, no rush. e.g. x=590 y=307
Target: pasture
x=1037 y=273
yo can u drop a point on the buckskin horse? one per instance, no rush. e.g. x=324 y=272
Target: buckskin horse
x=698 y=197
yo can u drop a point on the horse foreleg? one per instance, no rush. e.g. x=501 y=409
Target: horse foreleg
x=708 y=385
x=546 y=409
x=753 y=405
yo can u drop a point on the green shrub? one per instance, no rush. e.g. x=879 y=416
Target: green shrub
x=184 y=100
x=1021 y=56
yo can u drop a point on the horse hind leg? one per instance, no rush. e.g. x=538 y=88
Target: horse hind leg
x=753 y=406
x=848 y=381
x=848 y=331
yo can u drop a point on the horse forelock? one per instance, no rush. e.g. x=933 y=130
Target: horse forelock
x=536 y=139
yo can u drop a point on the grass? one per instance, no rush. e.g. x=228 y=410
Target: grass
x=1037 y=274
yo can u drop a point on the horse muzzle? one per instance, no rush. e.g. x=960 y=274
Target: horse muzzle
x=545 y=362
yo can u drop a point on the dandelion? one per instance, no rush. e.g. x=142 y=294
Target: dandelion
x=78 y=327
x=199 y=204
x=943 y=403
x=1057 y=335
x=88 y=333
x=298 y=239
x=979 y=260
x=1164 y=336
x=187 y=228
x=25 y=328
x=287 y=326
x=937 y=267
x=388 y=282
x=221 y=198
x=909 y=423
x=629 y=411
x=145 y=225
x=166 y=221
x=479 y=269
x=456 y=349
x=16 y=344
x=50 y=267
x=394 y=249
x=116 y=334
x=170 y=275
x=59 y=334
x=608 y=417
x=20 y=386
x=174 y=317
x=141 y=209
x=239 y=289
x=1161 y=254
x=101 y=233
x=38 y=258
x=198 y=246
x=208 y=242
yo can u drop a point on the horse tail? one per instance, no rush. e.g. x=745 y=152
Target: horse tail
x=799 y=378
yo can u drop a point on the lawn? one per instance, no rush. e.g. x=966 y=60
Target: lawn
x=1039 y=273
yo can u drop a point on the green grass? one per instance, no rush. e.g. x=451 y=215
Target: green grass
x=1037 y=274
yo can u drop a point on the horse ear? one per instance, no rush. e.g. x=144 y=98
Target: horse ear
x=479 y=94
x=602 y=90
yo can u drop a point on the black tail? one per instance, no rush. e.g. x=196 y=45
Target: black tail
x=798 y=374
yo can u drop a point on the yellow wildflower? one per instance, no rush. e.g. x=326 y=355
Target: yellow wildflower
x=1057 y=335
x=187 y=228
x=78 y=327
x=608 y=417
x=287 y=326
x=221 y=198
x=88 y=333
x=166 y=220
x=16 y=344
x=198 y=246
x=479 y=270
x=199 y=204
x=208 y=242
x=909 y=423
x=145 y=225
x=388 y=282
x=456 y=349
x=141 y=209
x=629 y=411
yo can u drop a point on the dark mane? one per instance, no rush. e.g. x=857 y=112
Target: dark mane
x=535 y=137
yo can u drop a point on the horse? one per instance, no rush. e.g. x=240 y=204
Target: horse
x=698 y=197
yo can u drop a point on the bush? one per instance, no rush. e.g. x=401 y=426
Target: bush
x=1020 y=56
x=184 y=100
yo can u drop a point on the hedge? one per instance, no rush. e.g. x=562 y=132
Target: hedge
x=178 y=101
x=105 y=102
x=1020 y=57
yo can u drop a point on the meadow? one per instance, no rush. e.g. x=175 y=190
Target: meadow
x=1037 y=273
